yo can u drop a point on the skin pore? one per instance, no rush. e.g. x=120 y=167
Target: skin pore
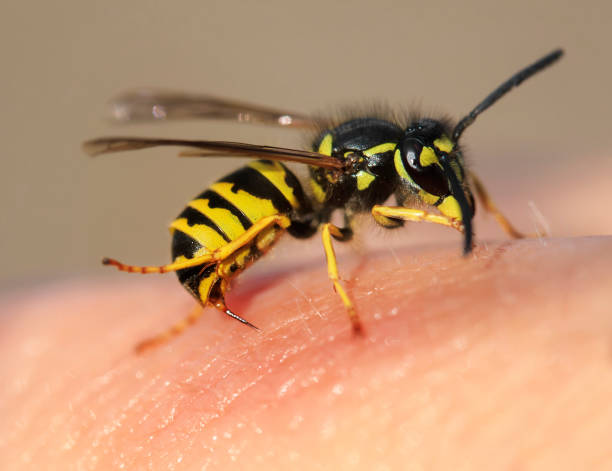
x=502 y=360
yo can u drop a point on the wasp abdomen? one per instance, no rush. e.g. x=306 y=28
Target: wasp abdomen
x=225 y=212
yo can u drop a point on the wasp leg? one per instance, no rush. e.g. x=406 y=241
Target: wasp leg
x=329 y=230
x=384 y=215
x=208 y=258
x=213 y=291
x=488 y=205
x=252 y=232
x=173 y=331
x=189 y=263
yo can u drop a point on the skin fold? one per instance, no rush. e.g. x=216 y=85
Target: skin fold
x=502 y=360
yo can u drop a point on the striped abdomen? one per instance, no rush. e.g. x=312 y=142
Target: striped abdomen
x=225 y=211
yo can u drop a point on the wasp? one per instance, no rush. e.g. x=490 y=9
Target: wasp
x=355 y=166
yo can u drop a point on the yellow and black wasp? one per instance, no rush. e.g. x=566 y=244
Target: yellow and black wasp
x=355 y=166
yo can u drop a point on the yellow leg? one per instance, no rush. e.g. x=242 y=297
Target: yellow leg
x=192 y=262
x=252 y=232
x=173 y=331
x=488 y=204
x=329 y=231
x=382 y=214
x=209 y=258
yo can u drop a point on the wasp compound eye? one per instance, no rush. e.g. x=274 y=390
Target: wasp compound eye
x=428 y=177
x=411 y=151
x=432 y=180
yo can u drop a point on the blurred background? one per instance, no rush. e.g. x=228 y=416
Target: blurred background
x=545 y=148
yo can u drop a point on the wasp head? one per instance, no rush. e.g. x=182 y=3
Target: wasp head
x=431 y=166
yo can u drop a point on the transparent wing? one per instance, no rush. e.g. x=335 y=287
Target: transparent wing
x=106 y=145
x=149 y=104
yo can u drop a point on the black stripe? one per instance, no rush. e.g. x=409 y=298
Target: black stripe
x=253 y=182
x=217 y=201
x=298 y=191
x=194 y=217
x=190 y=278
x=186 y=246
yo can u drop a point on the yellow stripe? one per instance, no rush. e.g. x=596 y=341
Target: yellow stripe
x=223 y=218
x=380 y=149
x=428 y=157
x=444 y=144
x=399 y=166
x=317 y=191
x=276 y=174
x=205 y=286
x=198 y=253
x=428 y=198
x=253 y=207
x=205 y=235
x=364 y=179
x=449 y=207
x=326 y=145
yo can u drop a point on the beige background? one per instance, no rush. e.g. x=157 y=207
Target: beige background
x=61 y=61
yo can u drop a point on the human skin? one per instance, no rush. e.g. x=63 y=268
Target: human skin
x=455 y=370
x=501 y=360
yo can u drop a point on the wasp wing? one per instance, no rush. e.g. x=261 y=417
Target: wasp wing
x=148 y=104
x=106 y=145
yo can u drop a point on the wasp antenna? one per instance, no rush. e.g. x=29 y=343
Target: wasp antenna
x=466 y=212
x=504 y=88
